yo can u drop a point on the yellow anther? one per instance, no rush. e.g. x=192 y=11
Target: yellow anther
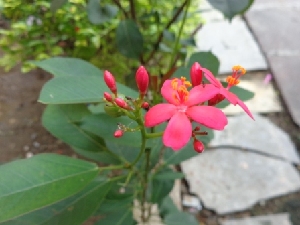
x=174 y=83
x=232 y=81
x=239 y=68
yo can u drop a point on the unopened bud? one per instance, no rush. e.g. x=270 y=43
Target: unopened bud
x=118 y=133
x=110 y=81
x=145 y=105
x=198 y=146
x=142 y=80
x=196 y=74
x=107 y=97
x=121 y=103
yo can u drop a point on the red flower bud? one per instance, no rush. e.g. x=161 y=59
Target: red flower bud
x=121 y=103
x=145 y=105
x=110 y=81
x=196 y=74
x=107 y=97
x=198 y=146
x=118 y=133
x=142 y=80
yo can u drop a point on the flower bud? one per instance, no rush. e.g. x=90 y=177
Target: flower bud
x=198 y=146
x=145 y=105
x=118 y=133
x=110 y=81
x=107 y=97
x=196 y=74
x=142 y=80
x=121 y=103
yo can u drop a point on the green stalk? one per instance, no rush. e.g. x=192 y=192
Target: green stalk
x=176 y=46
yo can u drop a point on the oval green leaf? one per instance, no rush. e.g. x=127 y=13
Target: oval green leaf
x=231 y=8
x=129 y=39
x=99 y=13
x=63 y=66
x=30 y=184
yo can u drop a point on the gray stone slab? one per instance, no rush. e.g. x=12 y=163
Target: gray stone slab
x=276 y=26
x=232 y=43
x=229 y=180
x=265 y=99
x=260 y=135
x=274 y=219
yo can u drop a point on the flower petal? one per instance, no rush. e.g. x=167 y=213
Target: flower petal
x=178 y=131
x=245 y=108
x=168 y=92
x=232 y=98
x=209 y=116
x=211 y=78
x=159 y=113
x=201 y=94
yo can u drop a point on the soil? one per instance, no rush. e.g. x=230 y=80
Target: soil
x=22 y=135
x=21 y=131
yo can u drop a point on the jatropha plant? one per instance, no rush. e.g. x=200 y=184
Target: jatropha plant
x=132 y=138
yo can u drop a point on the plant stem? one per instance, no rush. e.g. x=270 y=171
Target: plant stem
x=161 y=35
x=143 y=137
x=176 y=46
x=145 y=186
x=154 y=135
x=121 y=8
x=132 y=10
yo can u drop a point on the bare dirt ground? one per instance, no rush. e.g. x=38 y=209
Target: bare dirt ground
x=21 y=131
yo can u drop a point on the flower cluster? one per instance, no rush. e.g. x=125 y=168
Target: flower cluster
x=185 y=106
x=186 y=103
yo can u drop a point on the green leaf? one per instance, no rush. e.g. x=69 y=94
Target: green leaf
x=242 y=93
x=104 y=126
x=167 y=206
x=231 y=8
x=162 y=184
x=182 y=72
x=73 y=210
x=56 y=4
x=63 y=122
x=179 y=218
x=78 y=89
x=40 y=181
x=116 y=208
x=169 y=174
x=129 y=39
x=63 y=66
x=207 y=60
x=98 y=13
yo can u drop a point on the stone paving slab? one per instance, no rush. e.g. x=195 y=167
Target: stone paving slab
x=232 y=42
x=276 y=27
x=265 y=99
x=274 y=219
x=228 y=180
x=260 y=135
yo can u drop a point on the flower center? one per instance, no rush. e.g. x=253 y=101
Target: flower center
x=180 y=93
x=237 y=72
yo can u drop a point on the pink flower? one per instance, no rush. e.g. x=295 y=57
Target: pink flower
x=223 y=92
x=181 y=109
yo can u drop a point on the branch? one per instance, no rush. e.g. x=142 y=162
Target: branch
x=121 y=8
x=161 y=35
x=132 y=9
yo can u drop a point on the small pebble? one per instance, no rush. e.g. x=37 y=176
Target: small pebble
x=29 y=154
x=36 y=144
x=26 y=148
x=191 y=201
x=33 y=136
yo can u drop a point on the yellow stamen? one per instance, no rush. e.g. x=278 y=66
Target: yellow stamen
x=239 y=68
x=181 y=93
x=232 y=81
